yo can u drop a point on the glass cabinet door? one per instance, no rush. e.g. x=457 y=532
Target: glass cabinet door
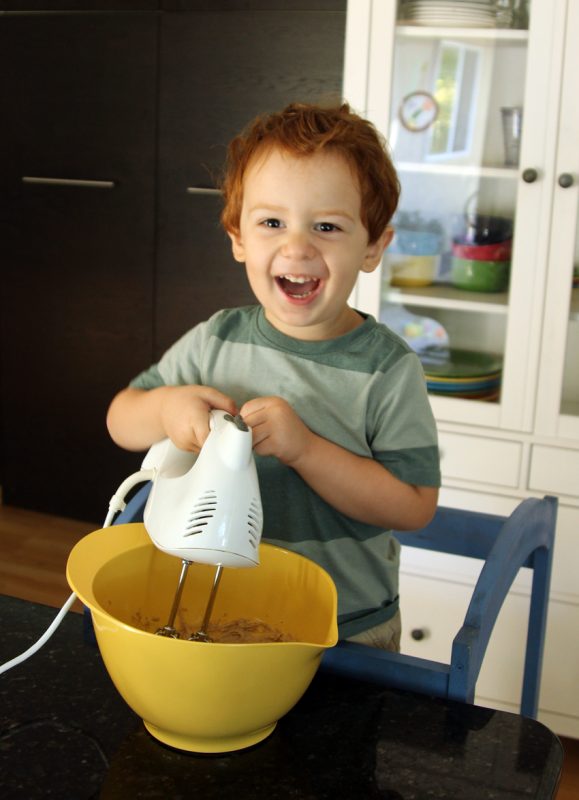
x=462 y=92
x=558 y=394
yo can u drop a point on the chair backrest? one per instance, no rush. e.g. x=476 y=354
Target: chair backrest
x=525 y=539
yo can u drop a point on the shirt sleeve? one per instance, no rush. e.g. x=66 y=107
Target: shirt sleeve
x=403 y=436
x=148 y=379
x=180 y=365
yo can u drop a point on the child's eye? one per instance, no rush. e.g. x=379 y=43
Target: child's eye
x=272 y=222
x=326 y=227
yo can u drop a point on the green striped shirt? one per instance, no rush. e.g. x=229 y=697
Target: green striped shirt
x=366 y=392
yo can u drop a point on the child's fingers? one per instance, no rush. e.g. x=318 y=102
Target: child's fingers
x=216 y=399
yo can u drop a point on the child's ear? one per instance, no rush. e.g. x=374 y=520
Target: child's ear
x=375 y=250
x=237 y=246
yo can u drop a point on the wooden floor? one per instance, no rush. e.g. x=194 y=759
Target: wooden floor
x=33 y=553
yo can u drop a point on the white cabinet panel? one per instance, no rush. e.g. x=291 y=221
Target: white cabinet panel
x=437 y=610
x=554 y=469
x=481 y=459
x=501 y=675
x=564 y=580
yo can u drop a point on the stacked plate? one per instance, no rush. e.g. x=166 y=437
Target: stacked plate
x=450 y=13
x=462 y=373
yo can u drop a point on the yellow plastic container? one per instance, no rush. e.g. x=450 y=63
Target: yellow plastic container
x=412 y=270
x=203 y=697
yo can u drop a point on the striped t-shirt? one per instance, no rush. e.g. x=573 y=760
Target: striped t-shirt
x=365 y=391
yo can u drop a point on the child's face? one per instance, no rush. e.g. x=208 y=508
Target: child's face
x=303 y=242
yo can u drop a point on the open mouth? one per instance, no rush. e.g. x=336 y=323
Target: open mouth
x=298 y=287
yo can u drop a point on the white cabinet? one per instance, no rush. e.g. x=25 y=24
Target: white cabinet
x=558 y=395
x=481 y=281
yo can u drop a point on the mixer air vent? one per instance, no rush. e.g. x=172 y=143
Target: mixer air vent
x=202 y=513
x=254 y=522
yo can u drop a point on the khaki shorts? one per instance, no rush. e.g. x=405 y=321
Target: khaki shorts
x=385 y=636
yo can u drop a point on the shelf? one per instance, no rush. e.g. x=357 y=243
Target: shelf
x=445 y=296
x=460 y=170
x=485 y=35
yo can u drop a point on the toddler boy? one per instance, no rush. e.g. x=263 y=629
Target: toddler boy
x=344 y=437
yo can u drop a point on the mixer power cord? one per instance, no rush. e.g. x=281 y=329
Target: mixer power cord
x=116 y=505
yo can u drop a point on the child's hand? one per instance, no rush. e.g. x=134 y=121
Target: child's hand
x=277 y=429
x=357 y=486
x=185 y=414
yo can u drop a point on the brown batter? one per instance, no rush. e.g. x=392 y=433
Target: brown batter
x=236 y=631
x=244 y=631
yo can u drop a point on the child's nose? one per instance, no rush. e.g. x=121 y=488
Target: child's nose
x=298 y=246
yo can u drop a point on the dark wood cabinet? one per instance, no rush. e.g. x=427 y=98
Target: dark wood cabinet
x=77 y=239
x=104 y=268
x=222 y=63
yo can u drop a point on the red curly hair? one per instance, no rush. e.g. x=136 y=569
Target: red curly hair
x=303 y=130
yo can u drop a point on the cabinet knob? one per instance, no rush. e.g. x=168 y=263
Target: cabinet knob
x=565 y=180
x=530 y=175
x=418 y=634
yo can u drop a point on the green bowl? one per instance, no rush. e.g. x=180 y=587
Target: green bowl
x=480 y=276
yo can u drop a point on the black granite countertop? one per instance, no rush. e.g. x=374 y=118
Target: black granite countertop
x=66 y=733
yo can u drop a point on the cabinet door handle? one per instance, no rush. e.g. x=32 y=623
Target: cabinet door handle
x=418 y=634
x=530 y=175
x=202 y=190
x=565 y=180
x=68 y=182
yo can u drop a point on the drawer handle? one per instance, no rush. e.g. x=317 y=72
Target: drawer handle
x=418 y=634
x=68 y=182
x=202 y=190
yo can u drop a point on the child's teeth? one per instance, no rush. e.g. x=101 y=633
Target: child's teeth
x=296 y=278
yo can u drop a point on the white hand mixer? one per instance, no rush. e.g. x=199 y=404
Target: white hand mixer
x=205 y=508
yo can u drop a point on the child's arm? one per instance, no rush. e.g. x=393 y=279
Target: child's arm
x=359 y=487
x=137 y=417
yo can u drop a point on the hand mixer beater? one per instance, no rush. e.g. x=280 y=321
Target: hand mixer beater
x=206 y=508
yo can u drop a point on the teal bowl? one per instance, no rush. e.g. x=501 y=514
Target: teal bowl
x=480 y=276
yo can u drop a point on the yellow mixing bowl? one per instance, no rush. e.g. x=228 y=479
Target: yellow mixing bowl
x=197 y=696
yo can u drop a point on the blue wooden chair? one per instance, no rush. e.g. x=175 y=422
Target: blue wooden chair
x=525 y=539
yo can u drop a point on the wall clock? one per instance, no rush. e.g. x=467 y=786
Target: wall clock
x=418 y=111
